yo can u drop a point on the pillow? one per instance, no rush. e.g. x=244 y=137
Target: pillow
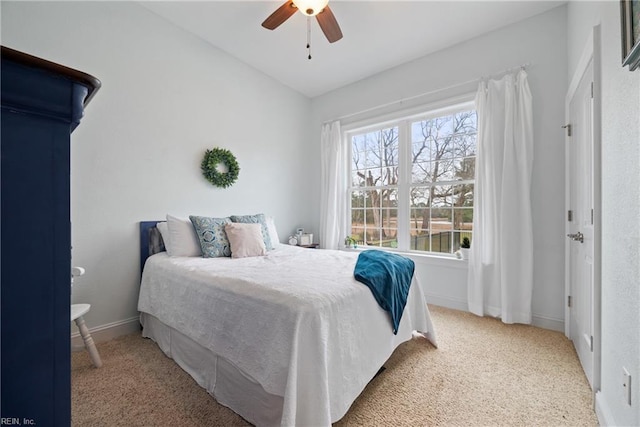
x=163 y=228
x=256 y=219
x=245 y=239
x=213 y=239
x=273 y=231
x=182 y=237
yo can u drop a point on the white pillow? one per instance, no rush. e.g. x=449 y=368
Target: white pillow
x=273 y=231
x=163 y=228
x=245 y=239
x=183 y=237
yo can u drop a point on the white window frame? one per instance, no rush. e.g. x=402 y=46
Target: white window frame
x=403 y=120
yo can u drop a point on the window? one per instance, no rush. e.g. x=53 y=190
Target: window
x=412 y=181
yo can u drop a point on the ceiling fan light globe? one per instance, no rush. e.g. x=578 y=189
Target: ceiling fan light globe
x=310 y=7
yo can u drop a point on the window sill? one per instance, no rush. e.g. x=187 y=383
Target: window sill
x=424 y=259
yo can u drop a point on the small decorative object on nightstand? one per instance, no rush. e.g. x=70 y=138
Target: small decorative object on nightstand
x=305 y=239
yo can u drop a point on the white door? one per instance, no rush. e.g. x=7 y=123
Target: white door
x=580 y=220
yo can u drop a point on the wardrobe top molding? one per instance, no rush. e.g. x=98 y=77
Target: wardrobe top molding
x=91 y=83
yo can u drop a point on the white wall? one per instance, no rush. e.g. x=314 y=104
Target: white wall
x=620 y=209
x=539 y=41
x=166 y=97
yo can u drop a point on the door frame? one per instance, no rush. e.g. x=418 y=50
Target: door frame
x=591 y=52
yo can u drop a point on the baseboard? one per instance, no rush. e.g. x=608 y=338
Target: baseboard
x=605 y=418
x=107 y=332
x=462 y=305
x=447 y=302
x=548 y=323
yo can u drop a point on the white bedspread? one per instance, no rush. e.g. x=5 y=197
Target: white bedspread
x=296 y=321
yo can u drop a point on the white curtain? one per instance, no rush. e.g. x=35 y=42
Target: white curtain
x=333 y=186
x=500 y=280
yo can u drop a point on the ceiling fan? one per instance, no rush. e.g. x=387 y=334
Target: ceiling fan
x=317 y=8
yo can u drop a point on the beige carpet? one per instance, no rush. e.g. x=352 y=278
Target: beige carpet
x=484 y=373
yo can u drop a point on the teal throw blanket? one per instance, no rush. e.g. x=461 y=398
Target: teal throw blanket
x=389 y=277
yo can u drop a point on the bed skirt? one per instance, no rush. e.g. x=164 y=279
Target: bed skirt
x=225 y=382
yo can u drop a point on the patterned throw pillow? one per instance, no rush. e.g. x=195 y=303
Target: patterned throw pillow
x=213 y=238
x=256 y=219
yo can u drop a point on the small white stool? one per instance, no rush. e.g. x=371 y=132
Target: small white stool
x=77 y=311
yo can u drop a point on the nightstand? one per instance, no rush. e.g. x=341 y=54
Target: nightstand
x=311 y=246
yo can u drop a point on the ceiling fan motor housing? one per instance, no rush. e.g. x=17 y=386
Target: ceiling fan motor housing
x=310 y=7
x=326 y=19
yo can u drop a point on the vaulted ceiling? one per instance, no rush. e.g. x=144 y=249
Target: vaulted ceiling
x=378 y=35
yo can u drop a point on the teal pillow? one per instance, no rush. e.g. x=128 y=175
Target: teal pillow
x=213 y=238
x=256 y=219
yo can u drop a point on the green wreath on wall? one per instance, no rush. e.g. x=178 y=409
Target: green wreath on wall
x=213 y=158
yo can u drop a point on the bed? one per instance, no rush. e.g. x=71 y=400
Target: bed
x=288 y=339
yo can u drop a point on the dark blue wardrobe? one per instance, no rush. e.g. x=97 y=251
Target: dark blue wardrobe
x=42 y=103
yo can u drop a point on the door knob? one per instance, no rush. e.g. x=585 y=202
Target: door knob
x=578 y=237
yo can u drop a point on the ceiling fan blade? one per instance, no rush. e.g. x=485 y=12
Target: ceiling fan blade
x=329 y=25
x=280 y=15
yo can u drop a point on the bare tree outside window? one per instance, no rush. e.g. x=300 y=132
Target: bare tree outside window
x=443 y=169
x=440 y=191
x=374 y=175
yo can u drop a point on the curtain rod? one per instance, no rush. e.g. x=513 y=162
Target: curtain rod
x=507 y=71
x=400 y=101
